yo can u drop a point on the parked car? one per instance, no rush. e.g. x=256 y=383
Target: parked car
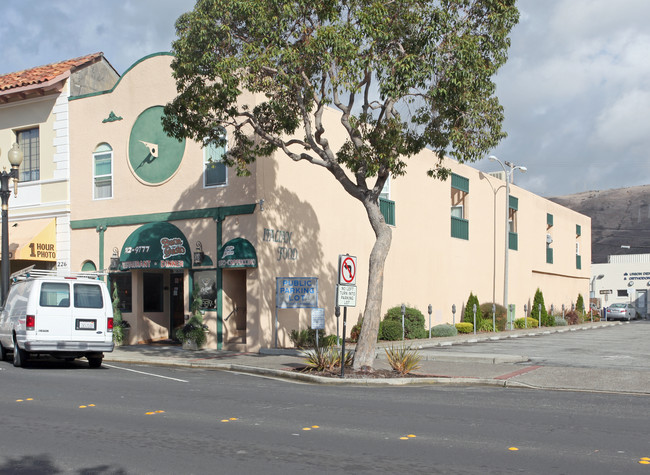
x=65 y=317
x=621 y=311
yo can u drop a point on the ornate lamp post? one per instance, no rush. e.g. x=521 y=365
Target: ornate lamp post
x=15 y=159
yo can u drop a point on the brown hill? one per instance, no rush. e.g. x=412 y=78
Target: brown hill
x=619 y=217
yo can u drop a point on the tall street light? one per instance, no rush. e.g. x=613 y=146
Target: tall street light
x=511 y=167
x=15 y=159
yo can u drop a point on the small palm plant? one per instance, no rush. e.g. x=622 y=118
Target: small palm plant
x=403 y=359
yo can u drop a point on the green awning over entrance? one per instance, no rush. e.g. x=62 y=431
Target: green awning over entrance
x=236 y=254
x=156 y=246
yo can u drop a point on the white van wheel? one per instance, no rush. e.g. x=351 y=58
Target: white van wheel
x=95 y=361
x=20 y=356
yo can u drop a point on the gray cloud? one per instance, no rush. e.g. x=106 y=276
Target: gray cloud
x=576 y=89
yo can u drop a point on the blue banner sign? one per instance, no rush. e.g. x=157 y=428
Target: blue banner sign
x=296 y=292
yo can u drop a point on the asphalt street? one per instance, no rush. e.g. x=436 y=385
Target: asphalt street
x=60 y=417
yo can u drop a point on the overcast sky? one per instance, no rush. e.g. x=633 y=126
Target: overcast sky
x=576 y=88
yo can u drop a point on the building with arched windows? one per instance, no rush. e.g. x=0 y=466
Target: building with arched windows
x=173 y=225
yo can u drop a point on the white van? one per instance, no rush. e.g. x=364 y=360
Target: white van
x=65 y=317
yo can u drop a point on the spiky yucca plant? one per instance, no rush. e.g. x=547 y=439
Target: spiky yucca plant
x=403 y=359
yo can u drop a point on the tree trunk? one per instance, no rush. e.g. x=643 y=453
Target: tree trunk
x=365 y=352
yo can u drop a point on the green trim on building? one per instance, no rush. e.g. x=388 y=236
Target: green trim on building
x=459 y=228
x=460 y=182
x=387 y=208
x=214 y=213
x=549 y=255
x=578 y=261
x=513 y=203
x=549 y=219
x=578 y=230
x=513 y=241
x=108 y=91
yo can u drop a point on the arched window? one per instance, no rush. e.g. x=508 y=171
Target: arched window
x=103 y=172
x=215 y=172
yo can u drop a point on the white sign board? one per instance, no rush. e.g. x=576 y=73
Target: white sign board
x=346 y=295
x=318 y=318
x=296 y=292
x=347 y=270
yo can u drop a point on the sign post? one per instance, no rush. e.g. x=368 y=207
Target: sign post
x=346 y=294
x=317 y=321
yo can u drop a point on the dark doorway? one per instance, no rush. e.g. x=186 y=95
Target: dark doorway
x=177 y=303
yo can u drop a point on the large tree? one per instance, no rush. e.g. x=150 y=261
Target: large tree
x=401 y=75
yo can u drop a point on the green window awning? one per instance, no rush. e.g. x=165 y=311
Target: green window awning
x=460 y=182
x=236 y=254
x=158 y=245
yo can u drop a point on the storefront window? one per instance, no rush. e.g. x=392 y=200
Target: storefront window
x=152 y=292
x=206 y=283
x=123 y=281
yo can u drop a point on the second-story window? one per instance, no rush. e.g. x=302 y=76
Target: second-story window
x=103 y=172
x=215 y=172
x=29 y=141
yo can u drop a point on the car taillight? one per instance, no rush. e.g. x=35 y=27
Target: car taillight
x=30 y=322
x=109 y=324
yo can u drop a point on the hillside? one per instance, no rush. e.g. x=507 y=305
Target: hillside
x=619 y=217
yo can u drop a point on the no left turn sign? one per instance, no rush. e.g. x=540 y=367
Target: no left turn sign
x=347 y=270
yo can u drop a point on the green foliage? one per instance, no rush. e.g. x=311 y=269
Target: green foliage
x=306 y=338
x=401 y=76
x=580 y=305
x=356 y=330
x=120 y=326
x=326 y=358
x=500 y=318
x=413 y=322
x=468 y=315
x=390 y=330
x=465 y=327
x=193 y=330
x=403 y=359
x=547 y=320
x=484 y=325
x=558 y=321
x=444 y=330
x=526 y=323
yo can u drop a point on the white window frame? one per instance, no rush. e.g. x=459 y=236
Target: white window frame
x=207 y=162
x=458 y=207
x=102 y=149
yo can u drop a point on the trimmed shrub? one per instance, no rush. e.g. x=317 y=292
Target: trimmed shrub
x=484 y=325
x=444 y=330
x=547 y=320
x=572 y=317
x=594 y=313
x=465 y=327
x=356 y=330
x=390 y=330
x=580 y=305
x=559 y=321
x=530 y=322
x=413 y=322
x=468 y=315
x=500 y=317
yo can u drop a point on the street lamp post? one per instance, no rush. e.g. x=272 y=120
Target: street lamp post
x=15 y=159
x=511 y=167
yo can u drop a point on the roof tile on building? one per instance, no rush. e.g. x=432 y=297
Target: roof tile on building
x=41 y=74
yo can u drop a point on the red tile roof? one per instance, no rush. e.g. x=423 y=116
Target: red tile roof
x=41 y=74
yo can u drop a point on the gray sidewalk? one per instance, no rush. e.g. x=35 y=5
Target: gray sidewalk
x=437 y=367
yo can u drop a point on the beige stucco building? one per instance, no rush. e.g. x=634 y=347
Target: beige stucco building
x=34 y=113
x=176 y=218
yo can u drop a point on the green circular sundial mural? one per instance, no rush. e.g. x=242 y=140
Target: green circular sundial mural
x=154 y=156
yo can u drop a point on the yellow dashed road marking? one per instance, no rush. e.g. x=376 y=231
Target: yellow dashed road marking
x=514 y=449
